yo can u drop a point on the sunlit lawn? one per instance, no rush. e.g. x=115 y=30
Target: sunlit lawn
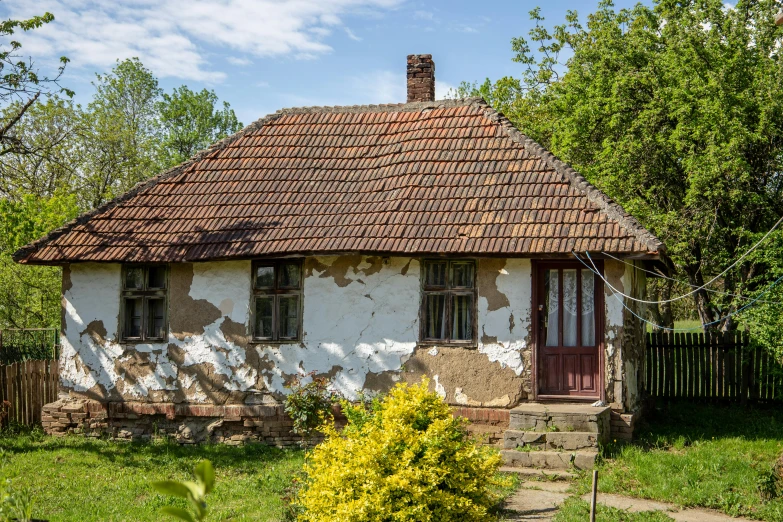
x=718 y=457
x=78 y=479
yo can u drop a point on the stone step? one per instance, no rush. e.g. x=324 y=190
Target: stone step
x=558 y=417
x=563 y=460
x=551 y=440
x=540 y=474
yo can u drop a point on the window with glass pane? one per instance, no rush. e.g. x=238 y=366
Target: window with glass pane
x=144 y=293
x=448 y=301
x=277 y=291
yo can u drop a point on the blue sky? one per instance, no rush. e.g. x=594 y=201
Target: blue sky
x=263 y=55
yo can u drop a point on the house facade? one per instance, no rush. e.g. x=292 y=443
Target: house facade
x=369 y=244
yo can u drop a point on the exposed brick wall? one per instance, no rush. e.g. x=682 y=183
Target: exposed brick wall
x=193 y=424
x=421 y=78
x=486 y=423
x=187 y=424
x=622 y=425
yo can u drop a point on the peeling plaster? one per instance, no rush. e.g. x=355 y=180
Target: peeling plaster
x=504 y=310
x=359 y=314
x=360 y=327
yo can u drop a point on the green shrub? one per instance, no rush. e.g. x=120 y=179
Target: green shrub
x=309 y=405
x=406 y=458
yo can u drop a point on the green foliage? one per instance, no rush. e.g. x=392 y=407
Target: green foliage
x=194 y=492
x=30 y=296
x=52 y=133
x=122 y=122
x=675 y=111
x=309 y=405
x=66 y=159
x=20 y=81
x=15 y=505
x=190 y=122
x=406 y=459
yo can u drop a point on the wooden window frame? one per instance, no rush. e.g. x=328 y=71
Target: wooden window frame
x=449 y=292
x=146 y=293
x=277 y=291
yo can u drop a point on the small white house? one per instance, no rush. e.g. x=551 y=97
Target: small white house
x=369 y=244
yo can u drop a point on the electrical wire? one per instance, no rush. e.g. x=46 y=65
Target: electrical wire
x=735 y=312
x=663 y=276
x=702 y=287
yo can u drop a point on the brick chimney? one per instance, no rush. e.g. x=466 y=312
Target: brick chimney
x=421 y=78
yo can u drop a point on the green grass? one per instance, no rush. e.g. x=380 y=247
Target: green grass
x=694 y=325
x=718 y=457
x=577 y=510
x=78 y=479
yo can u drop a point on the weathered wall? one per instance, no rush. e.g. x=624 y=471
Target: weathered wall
x=360 y=327
x=497 y=373
x=624 y=336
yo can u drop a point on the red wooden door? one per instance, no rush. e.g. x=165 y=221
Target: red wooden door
x=570 y=331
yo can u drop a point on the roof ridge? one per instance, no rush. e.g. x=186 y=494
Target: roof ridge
x=610 y=207
x=23 y=252
x=384 y=107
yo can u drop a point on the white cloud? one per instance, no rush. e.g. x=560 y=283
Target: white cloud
x=236 y=60
x=171 y=37
x=352 y=35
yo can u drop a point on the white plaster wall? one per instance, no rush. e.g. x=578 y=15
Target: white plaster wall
x=515 y=282
x=360 y=322
x=369 y=325
x=94 y=295
x=95 y=366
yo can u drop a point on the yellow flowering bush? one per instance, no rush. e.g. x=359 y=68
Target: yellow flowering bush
x=404 y=458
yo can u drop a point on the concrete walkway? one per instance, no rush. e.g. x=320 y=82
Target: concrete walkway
x=539 y=500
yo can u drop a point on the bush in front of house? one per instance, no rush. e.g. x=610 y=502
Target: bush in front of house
x=404 y=458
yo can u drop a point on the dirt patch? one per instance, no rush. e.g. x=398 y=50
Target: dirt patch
x=488 y=272
x=96 y=331
x=614 y=271
x=380 y=382
x=235 y=333
x=338 y=270
x=468 y=377
x=188 y=316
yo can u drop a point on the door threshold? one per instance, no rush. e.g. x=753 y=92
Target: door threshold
x=566 y=398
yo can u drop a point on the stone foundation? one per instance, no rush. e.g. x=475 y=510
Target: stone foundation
x=187 y=424
x=194 y=424
x=622 y=425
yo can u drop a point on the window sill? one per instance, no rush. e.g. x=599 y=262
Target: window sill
x=157 y=340
x=269 y=342
x=449 y=344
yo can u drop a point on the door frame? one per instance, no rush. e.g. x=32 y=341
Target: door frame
x=600 y=326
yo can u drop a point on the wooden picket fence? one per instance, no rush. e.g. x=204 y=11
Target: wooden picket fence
x=719 y=367
x=25 y=387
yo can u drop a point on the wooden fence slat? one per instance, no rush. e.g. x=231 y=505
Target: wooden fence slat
x=711 y=366
x=692 y=364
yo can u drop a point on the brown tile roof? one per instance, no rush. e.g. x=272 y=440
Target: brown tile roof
x=450 y=177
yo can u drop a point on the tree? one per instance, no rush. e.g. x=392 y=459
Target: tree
x=30 y=295
x=53 y=133
x=122 y=119
x=20 y=81
x=190 y=122
x=675 y=110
